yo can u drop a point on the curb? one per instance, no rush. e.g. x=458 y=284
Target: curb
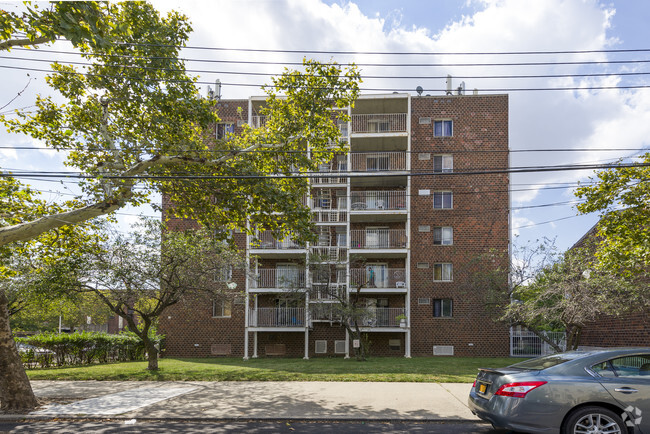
x=27 y=417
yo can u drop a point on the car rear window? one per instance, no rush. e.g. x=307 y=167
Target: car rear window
x=544 y=362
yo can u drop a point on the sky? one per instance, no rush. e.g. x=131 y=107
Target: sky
x=547 y=127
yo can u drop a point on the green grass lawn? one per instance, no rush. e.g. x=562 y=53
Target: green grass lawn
x=421 y=369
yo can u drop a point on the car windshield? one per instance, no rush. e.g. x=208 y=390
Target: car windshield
x=544 y=362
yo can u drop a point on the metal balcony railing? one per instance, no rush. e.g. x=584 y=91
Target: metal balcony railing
x=378 y=161
x=277 y=317
x=382 y=317
x=327 y=253
x=378 y=277
x=327 y=291
x=379 y=123
x=378 y=239
x=278 y=278
x=330 y=216
x=266 y=241
x=378 y=200
x=258 y=121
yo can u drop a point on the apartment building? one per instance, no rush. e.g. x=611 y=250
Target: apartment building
x=403 y=217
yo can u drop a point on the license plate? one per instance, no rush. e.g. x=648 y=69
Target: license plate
x=482 y=388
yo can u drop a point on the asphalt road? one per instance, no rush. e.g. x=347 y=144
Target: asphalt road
x=112 y=426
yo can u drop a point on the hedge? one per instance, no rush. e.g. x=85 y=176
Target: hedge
x=80 y=348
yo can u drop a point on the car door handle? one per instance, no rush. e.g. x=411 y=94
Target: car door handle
x=625 y=390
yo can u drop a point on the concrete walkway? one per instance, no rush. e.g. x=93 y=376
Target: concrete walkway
x=195 y=400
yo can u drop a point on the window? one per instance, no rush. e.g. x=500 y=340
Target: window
x=442 y=272
x=442 y=307
x=443 y=236
x=224 y=129
x=443 y=163
x=377 y=162
x=221 y=308
x=443 y=128
x=223 y=274
x=377 y=276
x=443 y=200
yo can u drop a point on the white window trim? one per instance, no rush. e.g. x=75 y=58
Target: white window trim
x=433 y=195
x=223 y=304
x=449 y=229
x=449 y=158
x=442 y=271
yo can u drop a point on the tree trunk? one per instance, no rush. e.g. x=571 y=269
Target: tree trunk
x=16 y=393
x=152 y=354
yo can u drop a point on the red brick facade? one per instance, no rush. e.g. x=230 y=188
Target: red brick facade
x=479 y=218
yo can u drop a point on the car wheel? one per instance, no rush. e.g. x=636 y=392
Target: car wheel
x=593 y=420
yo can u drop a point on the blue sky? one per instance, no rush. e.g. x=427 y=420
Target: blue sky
x=603 y=124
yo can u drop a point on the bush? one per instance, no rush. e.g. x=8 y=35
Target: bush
x=83 y=348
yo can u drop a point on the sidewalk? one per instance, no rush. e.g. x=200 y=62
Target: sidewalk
x=195 y=400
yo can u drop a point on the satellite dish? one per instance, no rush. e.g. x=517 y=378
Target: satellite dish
x=419 y=90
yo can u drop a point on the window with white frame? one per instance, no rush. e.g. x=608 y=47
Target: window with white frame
x=223 y=274
x=224 y=129
x=443 y=163
x=443 y=200
x=443 y=307
x=443 y=236
x=443 y=272
x=443 y=128
x=221 y=308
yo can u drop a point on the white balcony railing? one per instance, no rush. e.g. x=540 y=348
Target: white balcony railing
x=277 y=317
x=278 y=278
x=378 y=238
x=378 y=200
x=378 y=277
x=378 y=161
x=379 y=123
x=330 y=216
x=382 y=317
x=266 y=241
x=258 y=121
x=328 y=253
x=327 y=291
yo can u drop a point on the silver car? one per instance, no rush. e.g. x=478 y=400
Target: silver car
x=600 y=391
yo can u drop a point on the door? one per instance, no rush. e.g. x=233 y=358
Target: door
x=629 y=384
x=377 y=237
x=287 y=276
x=377 y=275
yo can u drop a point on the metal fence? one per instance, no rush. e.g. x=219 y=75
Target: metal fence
x=379 y=123
x=277 y=317
x=524 y=343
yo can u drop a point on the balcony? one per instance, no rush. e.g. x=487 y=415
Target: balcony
x=258 y=121
x=382 y=317
x=392 y=200
x=277 y=317
x=327 y=291
x=277 y=279
x=378 y=239
x=378 y=161
x=379 y=123
x=377 y=278
x=266 y=241
x=323 y=254
x=329 y=216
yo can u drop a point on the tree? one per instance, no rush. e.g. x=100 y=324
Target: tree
x=139 y=276
x=622 y=197
x=133 y=118
x=81 y=22
x=568 y=294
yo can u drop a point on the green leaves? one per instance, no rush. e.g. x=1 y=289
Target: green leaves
x=622 y=198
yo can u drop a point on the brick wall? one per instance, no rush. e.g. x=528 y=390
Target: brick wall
x=479 y=219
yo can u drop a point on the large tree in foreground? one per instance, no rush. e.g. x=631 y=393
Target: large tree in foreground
x=133 y=123
x=622 y=198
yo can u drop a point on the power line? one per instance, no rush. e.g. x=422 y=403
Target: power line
x=394 y=77
x=278 y=176
x=383 y=65
x=367 y=89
